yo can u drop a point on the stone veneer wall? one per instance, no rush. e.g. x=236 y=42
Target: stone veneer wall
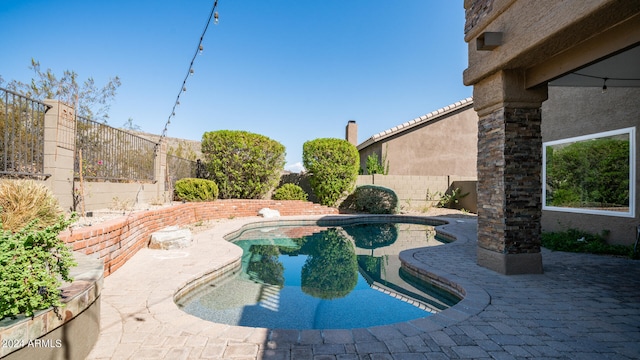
x=476 y=11
x=67 y=333
x=509 y=188
x=114 y=242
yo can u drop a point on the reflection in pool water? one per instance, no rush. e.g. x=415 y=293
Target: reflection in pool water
x=312 y=277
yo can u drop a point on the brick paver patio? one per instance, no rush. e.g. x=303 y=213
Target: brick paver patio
x=583 y=307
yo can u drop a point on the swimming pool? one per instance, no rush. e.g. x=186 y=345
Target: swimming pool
x=322 y=277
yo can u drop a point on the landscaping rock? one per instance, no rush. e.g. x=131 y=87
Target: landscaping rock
x=171 y=237
x=269 y=213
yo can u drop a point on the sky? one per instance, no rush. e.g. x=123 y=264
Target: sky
x=292 y=70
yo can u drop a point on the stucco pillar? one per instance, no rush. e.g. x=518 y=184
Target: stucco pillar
x=59 y=151
x=509 y=173
x=161 y=180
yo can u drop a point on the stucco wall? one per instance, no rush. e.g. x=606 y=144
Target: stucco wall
x=440 y=147
x=535 y=31
x=577 y=111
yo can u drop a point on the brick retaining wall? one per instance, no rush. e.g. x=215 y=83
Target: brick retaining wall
x=116 y=241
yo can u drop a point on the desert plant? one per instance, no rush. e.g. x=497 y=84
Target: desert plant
x=333 y=165
x=450 y=200
x=372 y=199
x=31 y=263
x=377 y=166
x=289 y=192
x=244 y=165
x=22 y=201
x=191 y=189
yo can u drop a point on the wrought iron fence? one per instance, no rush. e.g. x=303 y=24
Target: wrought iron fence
x=107 y=153
x=22 y=126
x=180 y=168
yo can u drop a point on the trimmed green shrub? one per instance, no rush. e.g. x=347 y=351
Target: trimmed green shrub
x=372 y=199
x=244 y=165
x=333 y=164
x=192 y=189
x=289 y=192
x=22 y=201
x=31 y=261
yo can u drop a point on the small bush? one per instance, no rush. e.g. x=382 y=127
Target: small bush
x=22 y=201
x=289 y=192
x=191 y=189
x=372 y=199
x=333 y=165
x=574 y=240
x=31 y=263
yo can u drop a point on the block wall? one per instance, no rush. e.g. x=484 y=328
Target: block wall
x=419 y=192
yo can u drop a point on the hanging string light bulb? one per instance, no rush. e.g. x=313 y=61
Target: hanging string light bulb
x=212 y=15
x=216 y=19
x=604 y=85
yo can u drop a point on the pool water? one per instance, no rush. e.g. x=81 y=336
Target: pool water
x=311 y=277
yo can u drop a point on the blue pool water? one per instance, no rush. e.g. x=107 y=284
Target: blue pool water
x=313 y=277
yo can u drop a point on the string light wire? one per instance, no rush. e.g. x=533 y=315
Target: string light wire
x=212 y=15
x=604 y=79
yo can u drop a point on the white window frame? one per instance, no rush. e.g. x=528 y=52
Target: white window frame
x=631 y=132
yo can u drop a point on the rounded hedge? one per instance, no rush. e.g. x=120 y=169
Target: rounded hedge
x=244 y=165
x=333 y=165
x=289 y=192
x=372 y=199
x=192 y=189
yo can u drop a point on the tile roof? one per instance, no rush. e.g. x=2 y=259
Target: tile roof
x=417 y=121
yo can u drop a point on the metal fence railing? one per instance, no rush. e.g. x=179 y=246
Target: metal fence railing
x=107 y=153
x=180 y=168
x=22 y=144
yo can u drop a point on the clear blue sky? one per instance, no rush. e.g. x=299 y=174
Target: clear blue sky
x=293 y=70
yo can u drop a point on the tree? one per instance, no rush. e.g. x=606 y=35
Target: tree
x=130 y=125
x=88 y=99
x=243 y=164
x=333 y=164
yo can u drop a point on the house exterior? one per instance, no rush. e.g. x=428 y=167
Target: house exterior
x=426 y=157
x=582 y=112
x=440 y=143
x=517 y=49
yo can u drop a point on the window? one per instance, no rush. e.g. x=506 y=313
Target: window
x=591 y=174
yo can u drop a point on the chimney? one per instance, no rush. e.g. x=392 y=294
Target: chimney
x=352 y=132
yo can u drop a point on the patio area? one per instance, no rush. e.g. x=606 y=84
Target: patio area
x=583 y=307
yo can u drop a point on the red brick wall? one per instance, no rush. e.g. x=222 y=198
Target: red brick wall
x=116 y=241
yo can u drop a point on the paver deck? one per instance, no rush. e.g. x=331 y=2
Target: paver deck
x=583 y=307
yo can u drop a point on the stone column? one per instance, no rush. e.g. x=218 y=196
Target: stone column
x=509 y=173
